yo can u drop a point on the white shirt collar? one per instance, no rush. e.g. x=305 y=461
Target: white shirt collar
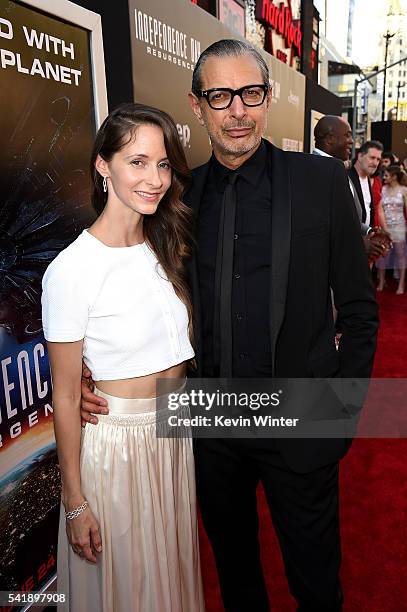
x=320 y=152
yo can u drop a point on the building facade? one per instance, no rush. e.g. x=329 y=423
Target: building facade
x=392 y=48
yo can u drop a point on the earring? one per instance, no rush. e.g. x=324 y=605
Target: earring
x=105 y=184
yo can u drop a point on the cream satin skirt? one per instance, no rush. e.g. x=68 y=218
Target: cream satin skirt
x=141 y=489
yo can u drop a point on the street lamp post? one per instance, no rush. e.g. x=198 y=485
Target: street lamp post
x=387 y=36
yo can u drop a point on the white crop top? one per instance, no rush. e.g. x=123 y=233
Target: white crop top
x=120 y=302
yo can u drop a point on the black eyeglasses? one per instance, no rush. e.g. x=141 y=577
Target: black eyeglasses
x=221 y=98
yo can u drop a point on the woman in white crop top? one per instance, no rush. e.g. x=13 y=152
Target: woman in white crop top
x=117 y=298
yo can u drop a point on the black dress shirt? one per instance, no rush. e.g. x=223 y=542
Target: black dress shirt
x=251 y=265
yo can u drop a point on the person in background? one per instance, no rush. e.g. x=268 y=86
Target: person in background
x=392 y=216
x=387 y=160
x=118 y=297
x=333 y=138
x=376 y=185
x=367 y=162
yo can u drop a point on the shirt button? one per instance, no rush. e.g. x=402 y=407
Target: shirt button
x=236 y=236
x=242 y=355
x=238 y=316
x=237 y=276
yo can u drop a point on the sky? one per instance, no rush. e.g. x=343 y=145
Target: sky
x=370 y=22
x=368 y=25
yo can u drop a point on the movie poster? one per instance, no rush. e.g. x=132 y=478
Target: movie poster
x=47 y=129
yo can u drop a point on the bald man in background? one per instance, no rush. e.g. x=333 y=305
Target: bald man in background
x=333 y=138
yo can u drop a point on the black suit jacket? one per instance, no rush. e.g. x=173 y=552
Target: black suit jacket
x=354 y=177
x=315 y=245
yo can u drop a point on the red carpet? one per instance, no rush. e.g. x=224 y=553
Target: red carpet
x=373 y=504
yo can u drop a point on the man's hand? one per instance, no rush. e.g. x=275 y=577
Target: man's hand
x=91 y=404
x=374 y=248
x=380 y=234
x=377 y=243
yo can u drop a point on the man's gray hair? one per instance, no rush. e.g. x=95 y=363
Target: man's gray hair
x=228 y=48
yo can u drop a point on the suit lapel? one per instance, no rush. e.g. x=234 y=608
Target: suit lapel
x=358 y=205
x=193 y=198
x=280 y=241
x=194 y=195
x=356 y=182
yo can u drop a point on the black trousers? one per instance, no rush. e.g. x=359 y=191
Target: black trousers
x=304 y=510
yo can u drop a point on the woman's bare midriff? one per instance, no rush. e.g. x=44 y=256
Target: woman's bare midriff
x=143 y=386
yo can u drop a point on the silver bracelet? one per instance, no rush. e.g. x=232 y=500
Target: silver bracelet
x=77 y=511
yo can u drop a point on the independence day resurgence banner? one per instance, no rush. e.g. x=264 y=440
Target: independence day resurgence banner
x=167 y=39
x=47 y=129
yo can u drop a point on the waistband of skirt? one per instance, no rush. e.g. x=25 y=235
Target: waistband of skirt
x=130 y=406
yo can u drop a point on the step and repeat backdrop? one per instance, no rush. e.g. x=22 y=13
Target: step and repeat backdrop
x=47 y=130
x=167 y=38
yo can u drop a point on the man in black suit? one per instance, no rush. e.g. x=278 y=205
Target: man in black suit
x=296 y=234
x=274 y=231
x=333 y=138
x=367 y=161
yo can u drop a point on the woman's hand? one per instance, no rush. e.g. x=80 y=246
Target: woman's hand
x=84 y=535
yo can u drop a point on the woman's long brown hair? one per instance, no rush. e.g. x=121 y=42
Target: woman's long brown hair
x=169 y=230
x=398 y=172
